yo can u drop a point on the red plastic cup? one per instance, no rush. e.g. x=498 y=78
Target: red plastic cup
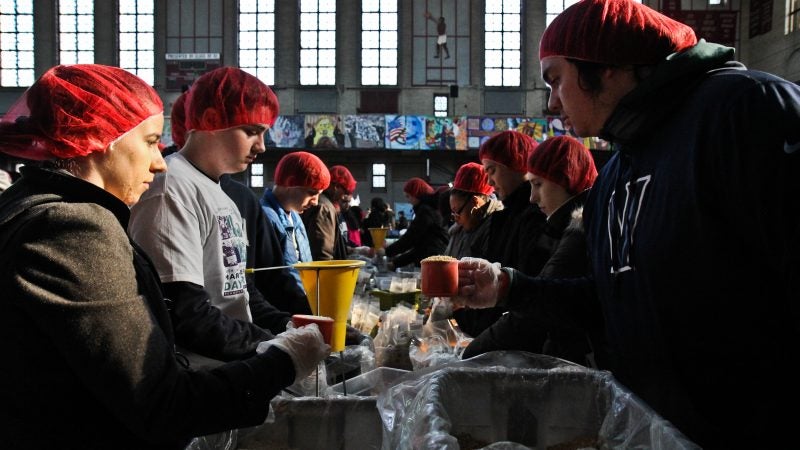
x=325 y=324
x=439 y=278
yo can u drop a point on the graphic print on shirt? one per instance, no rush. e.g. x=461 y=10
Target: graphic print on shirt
x=234 y=255
x=622 y=222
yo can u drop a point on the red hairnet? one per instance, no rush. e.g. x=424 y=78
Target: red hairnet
x=614 y=32
x=417 y=187
x=564 y=161
x=178 y=120
x=472 y=178
x=302 y=169
x=509 y=148
x=229 y=97
x=75 y=110
x=341 y=176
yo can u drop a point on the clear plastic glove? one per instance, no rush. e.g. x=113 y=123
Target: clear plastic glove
x=366 y=251
x=304 y=345
x=478 y=283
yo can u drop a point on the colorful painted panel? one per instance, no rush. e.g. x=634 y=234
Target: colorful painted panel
x=535 y=128
x=364 y=131
x=324 y=131
x=482 y=128
x=406 y=132
x=287 y=132
x=446 y=133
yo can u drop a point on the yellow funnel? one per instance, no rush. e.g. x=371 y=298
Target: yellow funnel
x=378 y=237
x=336 y=280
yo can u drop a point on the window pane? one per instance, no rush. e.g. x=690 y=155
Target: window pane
x=308 y=21
x=379 y=42
x=389 y=5
x=494 y=40
x=327 y=21
x=502 y=42
x=389 y=76
x=76 y=31
x=493 y=77
x=389 y=21
x=137 y=40
x=308 y=75
x=308 y=39
x=511 y=6
x=369 y=5
x=511 y=77
x=389 y=58
x=493 y=22
x=370 y=75
x=511 y=40
x=327 y=39
x=378 y=181
x=16 y=43
x=327 y=6
x=327 y=58
x=370 y=21
x=370 y=55
x=494 y=58
x=389 y=39
x=327 y=76
x=511 y=22
x=257 y=39
x=308 y=58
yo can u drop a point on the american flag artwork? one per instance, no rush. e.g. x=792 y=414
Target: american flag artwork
x=406 y=132
x=398 y=135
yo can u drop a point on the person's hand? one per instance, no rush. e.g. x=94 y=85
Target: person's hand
x=380 y=251
x=478 y=283
x=304 y=345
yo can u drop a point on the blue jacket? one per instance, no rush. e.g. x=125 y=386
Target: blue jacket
x=283 y=227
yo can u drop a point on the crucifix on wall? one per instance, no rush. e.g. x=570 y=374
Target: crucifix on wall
x=441 y=30
x=441 y=42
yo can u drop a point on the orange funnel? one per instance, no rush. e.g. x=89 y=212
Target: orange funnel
x=335 y=282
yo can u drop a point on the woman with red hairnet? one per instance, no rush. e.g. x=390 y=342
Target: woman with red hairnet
x=426 y=234
x=514 y=230
x=89 y=348
x=195 y=233
x=471 y=206
x=560 y=171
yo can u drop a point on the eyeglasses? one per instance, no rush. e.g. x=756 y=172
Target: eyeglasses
x=457 y=214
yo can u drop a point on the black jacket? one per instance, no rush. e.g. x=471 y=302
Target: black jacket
x=88 y=347
x=572 y=335
x=513 y=242
x=426 y=235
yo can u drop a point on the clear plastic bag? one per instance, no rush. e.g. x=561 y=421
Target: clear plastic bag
x=227 y=440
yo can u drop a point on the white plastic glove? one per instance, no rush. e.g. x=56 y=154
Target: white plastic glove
x=366 y=251
x=304 y=345
x=478 y=283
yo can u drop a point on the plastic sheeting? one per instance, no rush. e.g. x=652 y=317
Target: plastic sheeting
x=517 y=400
